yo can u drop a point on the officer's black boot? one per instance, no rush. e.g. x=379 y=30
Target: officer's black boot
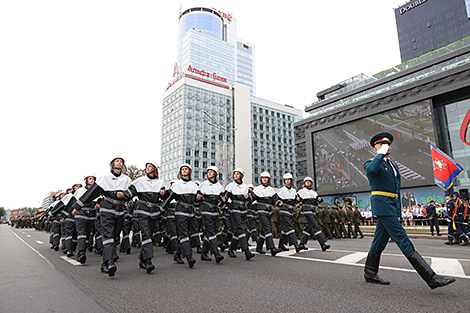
x=177 y=258
x=149 y=267
x=426 y=272
x=449 y=240
x=231 y=254
x=297 y=247
x=259 y=246
x=372 y=268
x=322 y=241
x=248 y=254
x=205 y=250
x=191 y=261
x=254 y=236
x=282 y=243
x=464 y=240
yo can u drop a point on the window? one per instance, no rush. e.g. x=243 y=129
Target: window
x=221 y=137
x=188 y=152
x=260 y=118
x=204 y=144
x=213 y=155
x=196 y=163
x=204 y=154
x=204 y=164
x=212 y=145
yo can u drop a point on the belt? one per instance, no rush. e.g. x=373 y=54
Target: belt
x=384 y=193
x=117 y=202
x=211 y=205
x=184 y=204
x=288 y=206
x=239 y=202
x=148 y=204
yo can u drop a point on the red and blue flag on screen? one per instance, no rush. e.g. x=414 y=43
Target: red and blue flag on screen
x=445 y=169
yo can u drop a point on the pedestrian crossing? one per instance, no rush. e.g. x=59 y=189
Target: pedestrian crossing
x=444 y=266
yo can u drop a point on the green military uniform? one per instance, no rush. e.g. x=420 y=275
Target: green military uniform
x=350 y=221
x=342 y=222
x=385 y=182
x=335 y=221
x=326 y=220
x=357 y=222
x=276 y=222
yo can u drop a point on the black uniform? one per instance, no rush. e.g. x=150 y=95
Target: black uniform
x=85 y=223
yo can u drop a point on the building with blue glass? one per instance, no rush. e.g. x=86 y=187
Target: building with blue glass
x=427 y=25
x=211 y=115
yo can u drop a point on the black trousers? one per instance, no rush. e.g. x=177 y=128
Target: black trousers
x=237 y=223
x=85 y=226
x=266 y=234
x=111 y=226
x=70 y=234
x=288 y=227
x=147 y=228
x=210 y=220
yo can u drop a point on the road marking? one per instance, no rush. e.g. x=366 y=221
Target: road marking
x=28 y=235
x=352 y=258
x=447 y=266
x=37 y=252
x=71 y=261
x=40 y=242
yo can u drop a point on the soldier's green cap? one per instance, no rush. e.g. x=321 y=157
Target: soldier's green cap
x=381 y=138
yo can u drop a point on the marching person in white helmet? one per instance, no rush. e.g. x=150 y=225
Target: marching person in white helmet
x=251 y=231
x=310 y=200
x=288 y=199
x=266 y=197
x=70 y=230
x=84 y=219
x=170 y=221
x=148 y=189
x=237 y=194
x=112 y=209
x=211 y=195
x=54 y=214
x=184 y=191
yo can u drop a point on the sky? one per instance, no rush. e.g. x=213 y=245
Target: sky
x=82 y=81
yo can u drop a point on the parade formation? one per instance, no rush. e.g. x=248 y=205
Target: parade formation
x=102 y=213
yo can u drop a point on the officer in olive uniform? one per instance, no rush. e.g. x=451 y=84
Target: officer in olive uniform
x=350 y=221
x=326 y=220
x=385 y=181
x=342 y=222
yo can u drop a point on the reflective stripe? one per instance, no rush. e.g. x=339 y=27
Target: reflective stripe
x=238 y=211
x=184 y=239
x=384 y=193
x=290 y=232
x=242 y=236
x=142 y=212
x=212 y=237
x=81 y=237
x=104 y=210
x=306 y=233
x=263 y=212
x=109 y=241
x=209 y=213
x=146 y=241
x=184 y=214
x=285 y=212
x=80 y=203
x=318 y=233
x=83 y=217
x=269 y=235
x=194 y=235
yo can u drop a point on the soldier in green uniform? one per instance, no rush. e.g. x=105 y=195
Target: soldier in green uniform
x=342 y=222
x=350 y=221
x=357 y=222
x=385 y=181
x=326 y=220
x=276 y=222
x=335 y=221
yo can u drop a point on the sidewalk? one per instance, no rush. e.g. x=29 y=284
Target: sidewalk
x=421 y=232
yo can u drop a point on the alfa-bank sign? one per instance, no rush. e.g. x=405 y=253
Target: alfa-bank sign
x=206 y=74
x=411 y=6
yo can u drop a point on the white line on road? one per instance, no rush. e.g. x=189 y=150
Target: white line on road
x=38 y=253
x=352 y=258
x=447 y=266
x=40 y=242
x=28 y=235
x=71 y=261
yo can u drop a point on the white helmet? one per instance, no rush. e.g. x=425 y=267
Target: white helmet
x=287 y=176
x=154 y=163
x=308 y=178
x=265 y=174
x=77 y=183
x=124 y=168
x=214 y=168
x=90 y=175
x=241 y=171
x=251 y=186
x=187 y=165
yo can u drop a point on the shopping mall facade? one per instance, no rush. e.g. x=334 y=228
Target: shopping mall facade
x=425 y=98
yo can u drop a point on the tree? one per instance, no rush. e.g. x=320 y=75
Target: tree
x=134 y=172
x=2 y=212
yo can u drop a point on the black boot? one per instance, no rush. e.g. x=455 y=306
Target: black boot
x=426 y=272
x=282 y=243
x=191 y=261
x=219 y=257
x=81 y=257
x=464 y=240
x=177 y=258
x=205 y=251
x=198 y=249
x=111 y=268
x=259 y=246
x=372 y=268
x=248 y=254
x=205 y=257
x=275 y=251
x=297 y=248
x=231 y=254
x=149 y=267
x=322 y=241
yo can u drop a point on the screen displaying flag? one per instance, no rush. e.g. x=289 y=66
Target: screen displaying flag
x=445 y=169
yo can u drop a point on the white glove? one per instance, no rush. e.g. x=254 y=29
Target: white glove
x=383 y=149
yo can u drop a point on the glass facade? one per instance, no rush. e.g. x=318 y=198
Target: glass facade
x=197 y=129
x=453 y=112
x=430 y=25
x=273 y=143
x=204 y=20
x=245 y=66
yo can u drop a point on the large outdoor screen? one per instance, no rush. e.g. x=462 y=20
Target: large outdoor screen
x=340 y=152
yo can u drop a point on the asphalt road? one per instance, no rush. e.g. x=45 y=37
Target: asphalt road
x=36 y=278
